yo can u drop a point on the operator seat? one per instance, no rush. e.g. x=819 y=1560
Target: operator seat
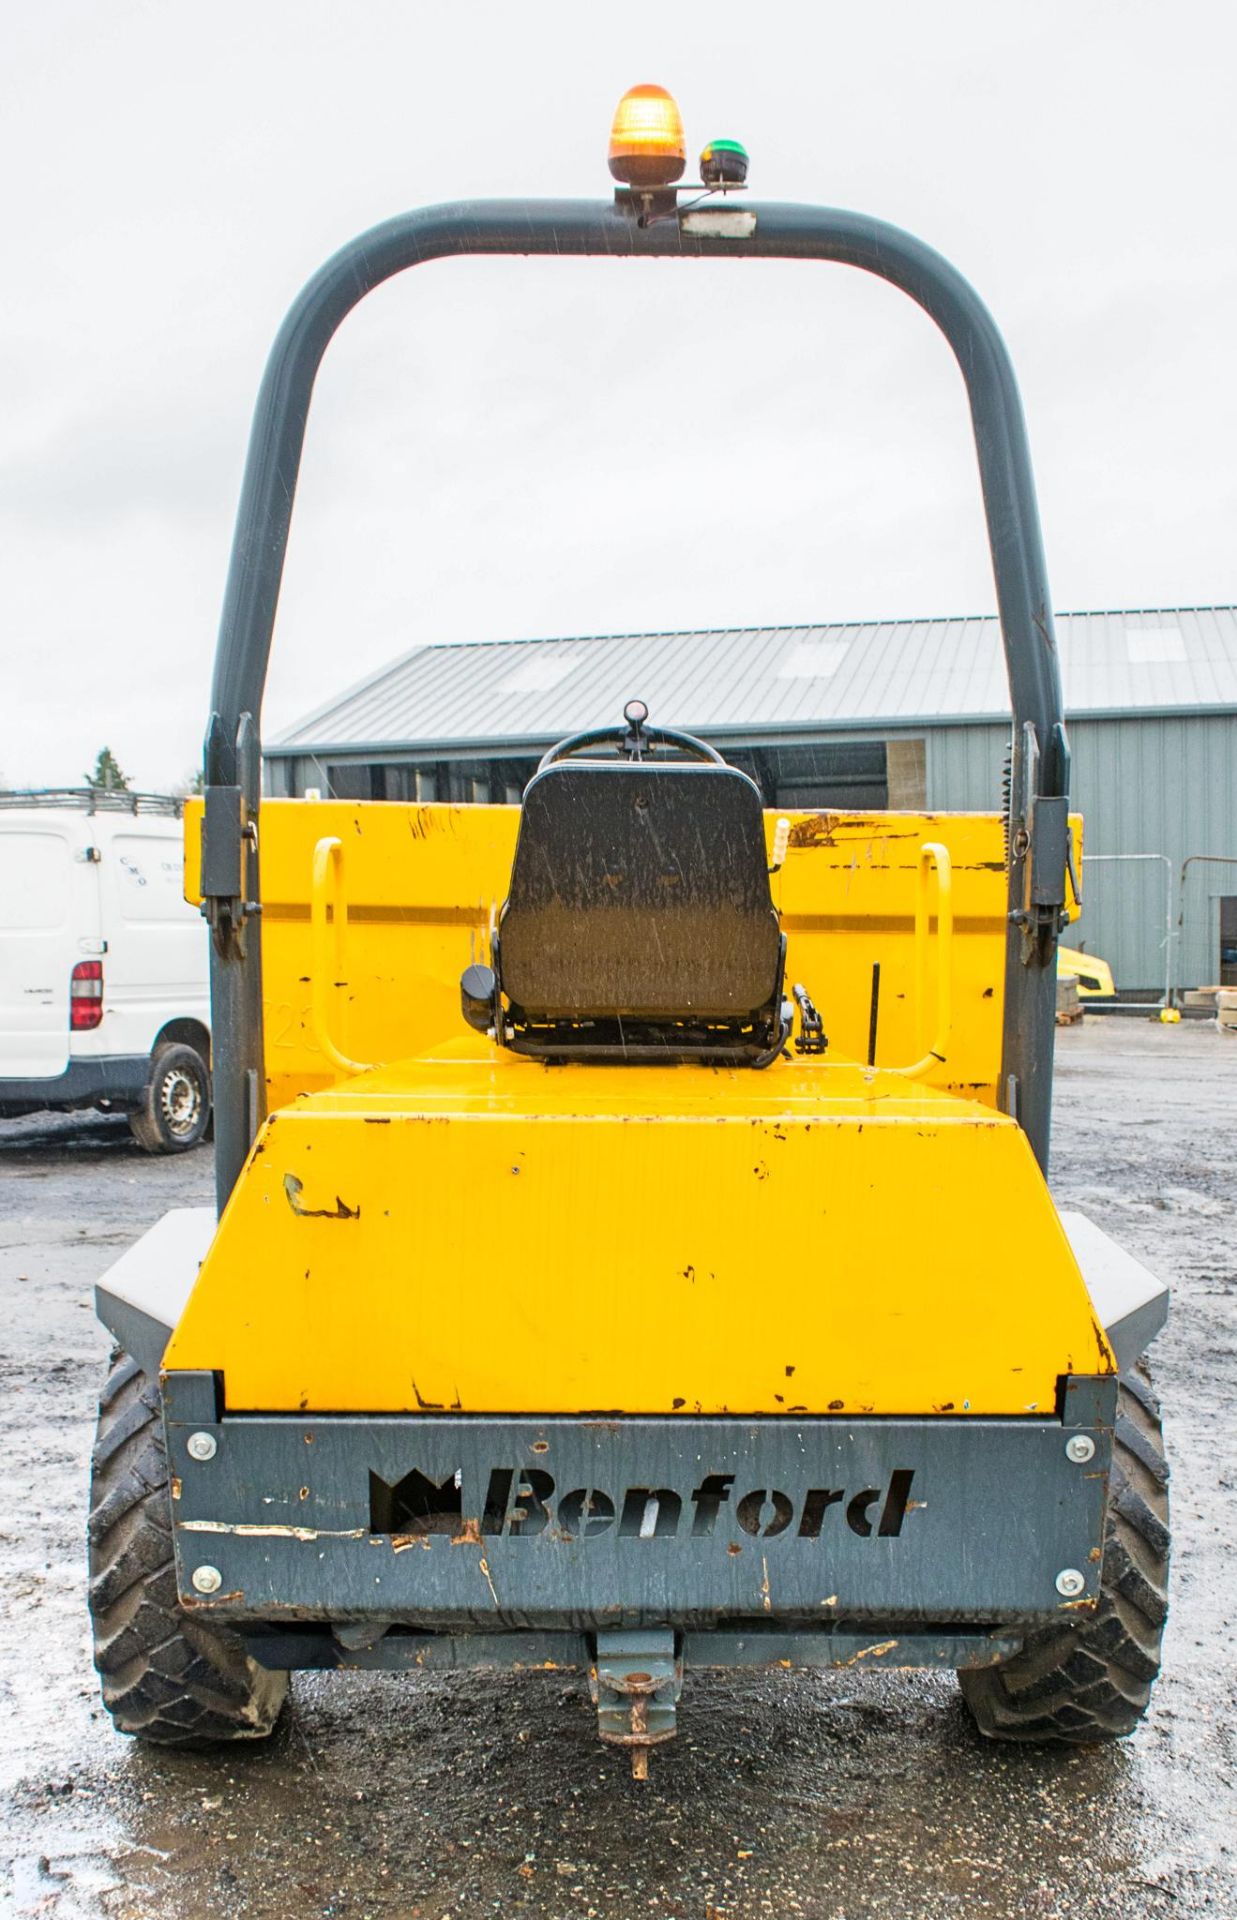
x=639 y=923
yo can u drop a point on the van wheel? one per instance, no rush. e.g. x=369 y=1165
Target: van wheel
x=175 y=1112
x=166 y=1677
x=1090 y=1679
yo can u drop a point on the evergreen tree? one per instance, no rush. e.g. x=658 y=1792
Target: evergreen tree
x=108 y=776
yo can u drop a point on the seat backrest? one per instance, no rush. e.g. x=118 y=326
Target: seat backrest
x=640 y=891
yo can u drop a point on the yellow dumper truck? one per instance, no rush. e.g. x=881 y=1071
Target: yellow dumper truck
x=633 y=1248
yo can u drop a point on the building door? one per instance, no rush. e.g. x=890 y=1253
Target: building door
x=1228 y=940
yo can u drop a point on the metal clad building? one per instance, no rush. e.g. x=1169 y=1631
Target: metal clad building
x=899 y=714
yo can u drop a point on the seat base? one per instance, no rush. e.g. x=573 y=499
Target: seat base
x=753 y=1043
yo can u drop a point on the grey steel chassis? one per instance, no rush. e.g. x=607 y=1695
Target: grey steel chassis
x=618 y=230
x=472 y=1522
x=420 y=1541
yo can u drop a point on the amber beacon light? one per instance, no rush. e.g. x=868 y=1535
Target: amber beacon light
x=647 y=147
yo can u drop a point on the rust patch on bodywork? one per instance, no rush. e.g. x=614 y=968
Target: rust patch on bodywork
x=293 y=1188
x=243 y=1529
x=436 y=1406
x=484 y=1567
x=815 y=830
x=876 y=1651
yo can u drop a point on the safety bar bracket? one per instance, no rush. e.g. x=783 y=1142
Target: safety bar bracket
x=1050 y=852
x=1039 y=842
x=229 y=879
x=223 y=844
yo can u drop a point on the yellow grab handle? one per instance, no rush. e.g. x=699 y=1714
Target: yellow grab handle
x=327 y=968
x=933 y=854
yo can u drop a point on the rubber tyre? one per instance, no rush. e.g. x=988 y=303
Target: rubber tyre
x=1090 y=1679
x=175 y=1110
x=166 y=1677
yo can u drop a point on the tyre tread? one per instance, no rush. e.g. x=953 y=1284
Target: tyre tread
x=1088 y=1680
x=165 y=1678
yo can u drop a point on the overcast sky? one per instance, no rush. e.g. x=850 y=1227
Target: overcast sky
x=520 y=448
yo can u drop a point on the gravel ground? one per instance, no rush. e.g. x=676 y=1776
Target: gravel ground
x=431 y=1796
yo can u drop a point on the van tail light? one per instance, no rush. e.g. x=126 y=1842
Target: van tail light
x=86 y=995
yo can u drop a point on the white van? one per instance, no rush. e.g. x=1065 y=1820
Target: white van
x=104 y=997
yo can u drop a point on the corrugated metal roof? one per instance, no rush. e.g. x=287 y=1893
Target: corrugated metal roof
x=757 y=680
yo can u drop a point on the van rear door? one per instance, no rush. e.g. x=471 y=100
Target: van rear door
x=158 y=948
x=49 y=920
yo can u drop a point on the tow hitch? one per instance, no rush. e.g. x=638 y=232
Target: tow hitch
x=635 y=1684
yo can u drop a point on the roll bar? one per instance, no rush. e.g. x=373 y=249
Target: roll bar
x=615 y=230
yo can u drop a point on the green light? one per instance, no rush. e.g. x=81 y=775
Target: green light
x=723 y=163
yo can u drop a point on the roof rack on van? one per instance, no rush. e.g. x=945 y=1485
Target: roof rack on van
x=92 y=800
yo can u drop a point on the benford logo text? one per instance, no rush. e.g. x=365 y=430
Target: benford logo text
x=521 y=1503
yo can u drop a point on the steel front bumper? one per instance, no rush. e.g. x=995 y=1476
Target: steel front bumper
x=461 y=1523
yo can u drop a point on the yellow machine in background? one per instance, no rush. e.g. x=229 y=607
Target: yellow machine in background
x=1094 y=976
